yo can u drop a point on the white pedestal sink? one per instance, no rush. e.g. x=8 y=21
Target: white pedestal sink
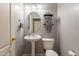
x=33 y=39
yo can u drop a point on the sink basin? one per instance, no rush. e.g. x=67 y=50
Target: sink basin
x=32 y=37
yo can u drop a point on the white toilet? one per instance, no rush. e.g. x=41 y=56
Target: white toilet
x=48 y=46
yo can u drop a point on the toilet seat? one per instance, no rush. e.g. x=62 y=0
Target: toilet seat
x=51 y=53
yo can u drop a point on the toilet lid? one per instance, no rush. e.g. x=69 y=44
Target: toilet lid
x=51 y=53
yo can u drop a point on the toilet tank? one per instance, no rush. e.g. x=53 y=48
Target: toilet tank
x=48 y=43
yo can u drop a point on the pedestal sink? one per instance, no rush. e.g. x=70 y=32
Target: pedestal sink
x=33 y=39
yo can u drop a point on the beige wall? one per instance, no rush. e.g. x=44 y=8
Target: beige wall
x=4 y=24
x=69 y=27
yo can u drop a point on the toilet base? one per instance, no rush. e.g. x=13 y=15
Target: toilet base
x=51 y=53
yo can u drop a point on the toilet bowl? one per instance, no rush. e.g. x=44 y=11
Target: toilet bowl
x=51 y=53
x=48 y=46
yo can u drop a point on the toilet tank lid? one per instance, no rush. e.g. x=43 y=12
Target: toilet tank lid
x=47 y=39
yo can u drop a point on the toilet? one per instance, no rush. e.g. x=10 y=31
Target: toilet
x=48 y=46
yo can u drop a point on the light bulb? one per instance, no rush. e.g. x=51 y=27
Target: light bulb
x=33 y=6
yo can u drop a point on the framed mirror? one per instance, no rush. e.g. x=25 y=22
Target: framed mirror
x=34 y=22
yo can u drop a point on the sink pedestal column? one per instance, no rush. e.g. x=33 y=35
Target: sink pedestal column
x=33 y=48
x=33 y=39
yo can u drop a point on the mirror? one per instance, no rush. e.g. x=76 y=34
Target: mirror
x=34 y=22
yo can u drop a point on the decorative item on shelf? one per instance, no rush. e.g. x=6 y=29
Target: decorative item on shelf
x=48 y=21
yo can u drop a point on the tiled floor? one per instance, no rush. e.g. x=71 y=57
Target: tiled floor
x=35 y=55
